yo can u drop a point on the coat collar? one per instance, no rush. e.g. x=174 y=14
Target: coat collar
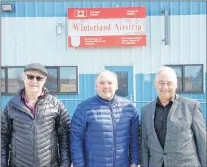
x=106 y=102
x=18 y=102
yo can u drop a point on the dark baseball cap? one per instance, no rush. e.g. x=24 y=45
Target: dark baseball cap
x=36 y=67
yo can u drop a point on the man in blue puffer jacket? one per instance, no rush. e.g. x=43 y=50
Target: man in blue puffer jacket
x=104 y=128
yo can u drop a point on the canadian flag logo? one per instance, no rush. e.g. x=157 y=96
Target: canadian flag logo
x=80 y=13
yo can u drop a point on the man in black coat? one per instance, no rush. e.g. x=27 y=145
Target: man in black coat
x=35 y=126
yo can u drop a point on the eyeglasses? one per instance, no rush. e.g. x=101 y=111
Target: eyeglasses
x=31 y=77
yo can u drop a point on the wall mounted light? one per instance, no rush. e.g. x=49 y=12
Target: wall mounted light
x=59 y=28
x=7 y=7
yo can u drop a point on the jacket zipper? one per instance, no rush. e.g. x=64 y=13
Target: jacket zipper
x=35 y=135
x=114 y=134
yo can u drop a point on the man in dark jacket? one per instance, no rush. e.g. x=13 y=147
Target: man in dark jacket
x=104 y=128
x=35 y=125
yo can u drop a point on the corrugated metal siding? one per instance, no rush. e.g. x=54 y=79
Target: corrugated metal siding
x=30 y=33
x=58 y=9
x=35 y=39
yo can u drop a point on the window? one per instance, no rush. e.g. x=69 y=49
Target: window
x=59 y=80
x=3 y=84
x=11 y=79
x=68 y=79
x=15 y=79
x=122 y=83
x=190 y=78
x=193 y=78
x=51 y=83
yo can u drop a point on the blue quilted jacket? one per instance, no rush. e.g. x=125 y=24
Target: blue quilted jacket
x=104 y=133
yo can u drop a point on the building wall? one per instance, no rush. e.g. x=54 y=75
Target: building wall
x=29 y=35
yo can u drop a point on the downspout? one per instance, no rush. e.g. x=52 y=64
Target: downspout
x=166 y=12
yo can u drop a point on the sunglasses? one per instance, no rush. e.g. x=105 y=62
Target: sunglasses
x=31 y=77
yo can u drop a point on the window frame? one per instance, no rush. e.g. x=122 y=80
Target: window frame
x=183 y=77
x=47 y=67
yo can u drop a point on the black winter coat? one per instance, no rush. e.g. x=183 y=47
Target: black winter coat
x=35 y=141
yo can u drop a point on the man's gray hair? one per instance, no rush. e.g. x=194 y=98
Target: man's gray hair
x=105 y=73
x=166 y=69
